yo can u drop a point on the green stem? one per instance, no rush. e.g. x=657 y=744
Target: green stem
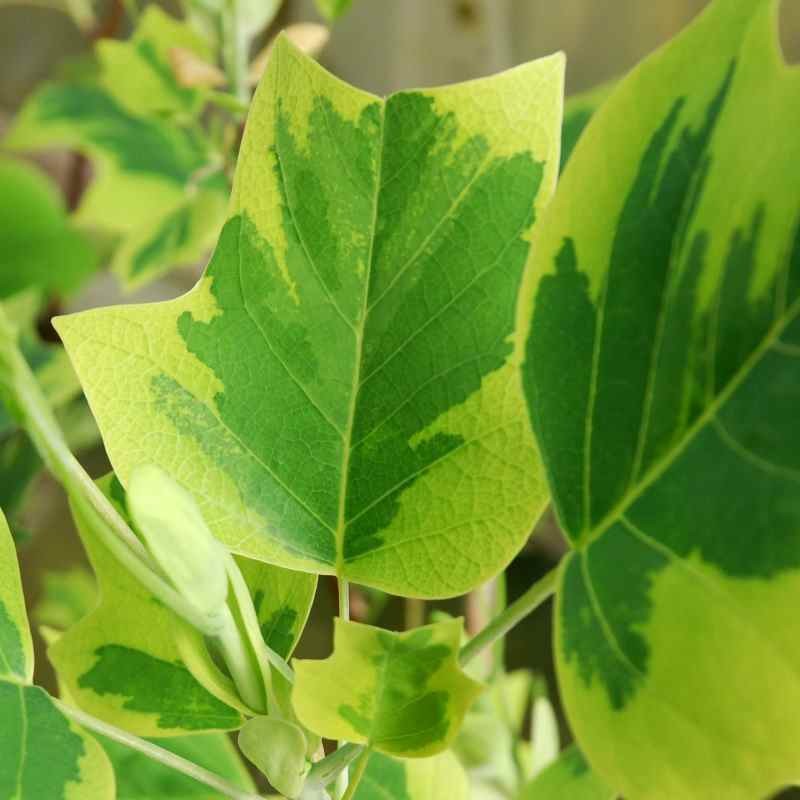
x=511 y=616
x=342 y=779
x=235 y=47
x=30 y=408
x=327 y=770
x=414 y=613
x=157 y=753
x=358 y=773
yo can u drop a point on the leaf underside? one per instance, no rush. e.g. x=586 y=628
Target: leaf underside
x=671 y=443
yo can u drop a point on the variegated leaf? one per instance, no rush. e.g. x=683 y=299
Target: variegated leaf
x=664 y=381
x=341 y=390
x=401 y=694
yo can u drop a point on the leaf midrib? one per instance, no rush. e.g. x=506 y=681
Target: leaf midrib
x=341 y=523
x=662 y=465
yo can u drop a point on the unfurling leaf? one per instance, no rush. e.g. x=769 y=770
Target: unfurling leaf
x=667 y=278
x=341 y=391
x=401 y=694
x=278 y=748
x=176 y=534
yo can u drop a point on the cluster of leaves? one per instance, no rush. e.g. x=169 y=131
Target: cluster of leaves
x=406 y=344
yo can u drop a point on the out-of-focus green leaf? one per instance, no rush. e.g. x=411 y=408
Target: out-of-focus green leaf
x=66 y=598
x=141 y=778
x=157 y=181
x=138 y=72
x=333 y=9
x=39 y=247
x=400 y=693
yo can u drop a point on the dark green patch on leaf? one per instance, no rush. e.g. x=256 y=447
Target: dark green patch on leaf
x=158 y=687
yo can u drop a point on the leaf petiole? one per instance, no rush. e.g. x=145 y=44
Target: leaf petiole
x=357 y=774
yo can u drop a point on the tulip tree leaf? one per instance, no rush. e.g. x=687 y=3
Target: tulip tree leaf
x=140 y=778
x=155 y=185
x=667 y=276
x=138 y=72
x=567 y=777
x=126 y=661
x=432 y=778
x=341 y=389
x=44 y=755
x=39 y=247
x=400 y=693
x=16 y=647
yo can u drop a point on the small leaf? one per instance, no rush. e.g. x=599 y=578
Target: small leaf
x=278 y=749
x=177 y=536
x=43 y=755
x=569 y=777
x=341 y=390
x=433 y=778
x=545 y=739
x=140 y=778
x=192 y=71
x=399 y=693
x=16 y=647
x=39 y=247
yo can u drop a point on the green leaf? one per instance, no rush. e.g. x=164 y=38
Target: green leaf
x=39 y=247
x=663 y=378
x=140 y=778
x=278 y=749
x=341 y=390
x=43 y=755
x=400 y=693
x=133 y=663
x=578 y=111
x=158 y=183
x=282 y=600
x=138 y=72
x=568 y=777
x=66 y=598
x=413 y=779
x=333 y=9
x=16 y=647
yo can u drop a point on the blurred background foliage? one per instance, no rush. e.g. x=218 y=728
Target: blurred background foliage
x=380 y=45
